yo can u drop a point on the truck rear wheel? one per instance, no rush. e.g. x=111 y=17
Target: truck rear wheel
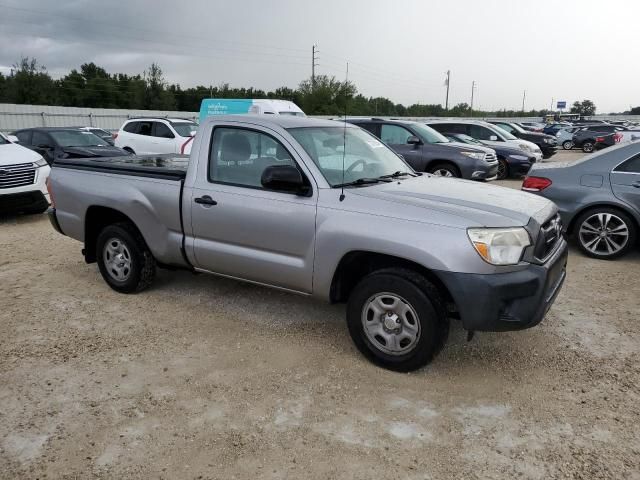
x=125 y=261
x=397 y=319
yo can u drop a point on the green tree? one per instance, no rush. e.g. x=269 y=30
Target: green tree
x=156 y=96
x=325 y=96
x=30 y=83
x=585 y=108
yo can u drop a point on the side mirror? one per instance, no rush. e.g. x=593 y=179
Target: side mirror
x=284 y=178
x=413 y=140
x=493 y=138
x=13 y=139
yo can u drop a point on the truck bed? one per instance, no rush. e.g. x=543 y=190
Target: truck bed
x=169 y=167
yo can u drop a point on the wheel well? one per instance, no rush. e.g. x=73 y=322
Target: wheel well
x=356 y=265
x=128 y=149
x=95 y=220
x=432 y=163
x=572 y=223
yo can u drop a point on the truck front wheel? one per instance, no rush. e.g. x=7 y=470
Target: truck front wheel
x=397 y=319
x=125 y=261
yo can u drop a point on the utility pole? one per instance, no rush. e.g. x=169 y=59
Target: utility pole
x=473 y=88
x=446 y=82
x=314 y=52
x=524 y=95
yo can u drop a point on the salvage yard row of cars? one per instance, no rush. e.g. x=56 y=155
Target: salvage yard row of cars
x=374 y=216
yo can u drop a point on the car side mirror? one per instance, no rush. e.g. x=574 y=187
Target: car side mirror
x=413 y=140
x=13 y=139
x=493 y=138
x=284 y=178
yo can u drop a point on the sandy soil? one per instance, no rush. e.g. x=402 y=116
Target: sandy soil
x=201 y=377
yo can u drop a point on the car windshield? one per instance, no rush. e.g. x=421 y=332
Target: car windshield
x=77 y=138
x=185 y=129
x=3 y=141
x=365 y=156
x=504 y=133
x=428 y=134
x=467 y=139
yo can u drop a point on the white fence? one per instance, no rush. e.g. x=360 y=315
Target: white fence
x=14 y=117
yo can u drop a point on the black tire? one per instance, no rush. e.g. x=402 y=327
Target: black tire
x=567 y=145
x=588 y=146
x=445 y=167
x=585 y=237
x=142 y=266
x=503 y=169
x=425 y=300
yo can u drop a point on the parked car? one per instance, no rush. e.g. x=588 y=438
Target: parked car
x=405 y=250
x=145 y=136
x=428 y=151
x=552 y=128
x=564 y=137
x=103 y=134
x=23 y=174
x=54 y=143
x=598 y=197
x=489 y=134
x=546 y=143
x=532 y=126
x=590 y=140
x=512 y=162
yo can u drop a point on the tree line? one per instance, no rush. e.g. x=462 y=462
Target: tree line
x=92 y=86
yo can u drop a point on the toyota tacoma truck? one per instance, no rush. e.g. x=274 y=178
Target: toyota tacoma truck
x=324 y=209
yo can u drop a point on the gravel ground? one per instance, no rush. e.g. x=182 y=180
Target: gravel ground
x=201 y=377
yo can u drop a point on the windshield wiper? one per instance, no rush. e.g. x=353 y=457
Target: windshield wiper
x=397 y=174
x=362 y=181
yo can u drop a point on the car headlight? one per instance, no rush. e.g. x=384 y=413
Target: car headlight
x=476 y=155
x=41 y=162
x=549 y=140
x=525 y=147
x=500 y=246
x=519 y=157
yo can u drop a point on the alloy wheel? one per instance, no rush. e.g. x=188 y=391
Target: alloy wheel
x=117 y=259
x=603 y=234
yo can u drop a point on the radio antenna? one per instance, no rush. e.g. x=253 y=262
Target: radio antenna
x=344 y=132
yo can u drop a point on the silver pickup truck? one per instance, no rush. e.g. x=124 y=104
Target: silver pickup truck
x=325 y=209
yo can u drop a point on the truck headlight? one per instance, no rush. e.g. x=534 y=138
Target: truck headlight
x=41 y=162
x=476 y=155
x=500 y=246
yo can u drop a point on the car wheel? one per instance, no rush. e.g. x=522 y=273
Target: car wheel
x=124 y=260
x=397 y=319
x=503 y=169
x=587 y=147
x=605 y=233
x=567 y=144
x=444 y=170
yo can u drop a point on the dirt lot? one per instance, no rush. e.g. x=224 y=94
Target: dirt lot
x=201 y=377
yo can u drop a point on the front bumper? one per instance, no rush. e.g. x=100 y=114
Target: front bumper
x=23 y=201
x=54 y=220
x=485 y=172
x=548 y=150
x=507 y=301
x=519 y=168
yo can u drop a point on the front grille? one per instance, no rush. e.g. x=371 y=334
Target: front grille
x=550 y=235
x=17 y=175
x=490 y=157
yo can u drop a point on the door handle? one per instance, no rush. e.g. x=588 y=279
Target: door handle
x=205 y=200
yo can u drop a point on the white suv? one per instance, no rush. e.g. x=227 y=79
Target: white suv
x=23 y=174
x=147 y=136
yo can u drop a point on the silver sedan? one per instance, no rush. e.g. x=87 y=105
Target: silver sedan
x=598 y=197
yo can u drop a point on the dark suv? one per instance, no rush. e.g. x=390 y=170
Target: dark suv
x=596 y=137
x=429 y=151
x=547 y=143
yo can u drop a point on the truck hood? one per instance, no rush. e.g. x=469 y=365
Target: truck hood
x=84 y=152
x=464 y=203
x=12 y=154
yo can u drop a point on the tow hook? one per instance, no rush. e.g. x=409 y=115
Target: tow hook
x=470 y=335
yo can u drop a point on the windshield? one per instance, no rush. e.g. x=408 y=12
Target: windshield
x=428 y=134
x=504 y=133
x=467 y=139
x=294 y=114
x=3 y=141
x=185 y=129
x=365 y=155
x=76 y=138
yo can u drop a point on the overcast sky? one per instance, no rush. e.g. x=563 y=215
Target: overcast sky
x=553 y=49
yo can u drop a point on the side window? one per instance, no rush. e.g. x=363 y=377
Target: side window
x=481 y=133
x=630 y=166
x=394 y=134
x=131 y=127
x=24 y=137
x=451 y=128
x=144 y=128
x=40 y=138
x=161 y=130
x=239 y=156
